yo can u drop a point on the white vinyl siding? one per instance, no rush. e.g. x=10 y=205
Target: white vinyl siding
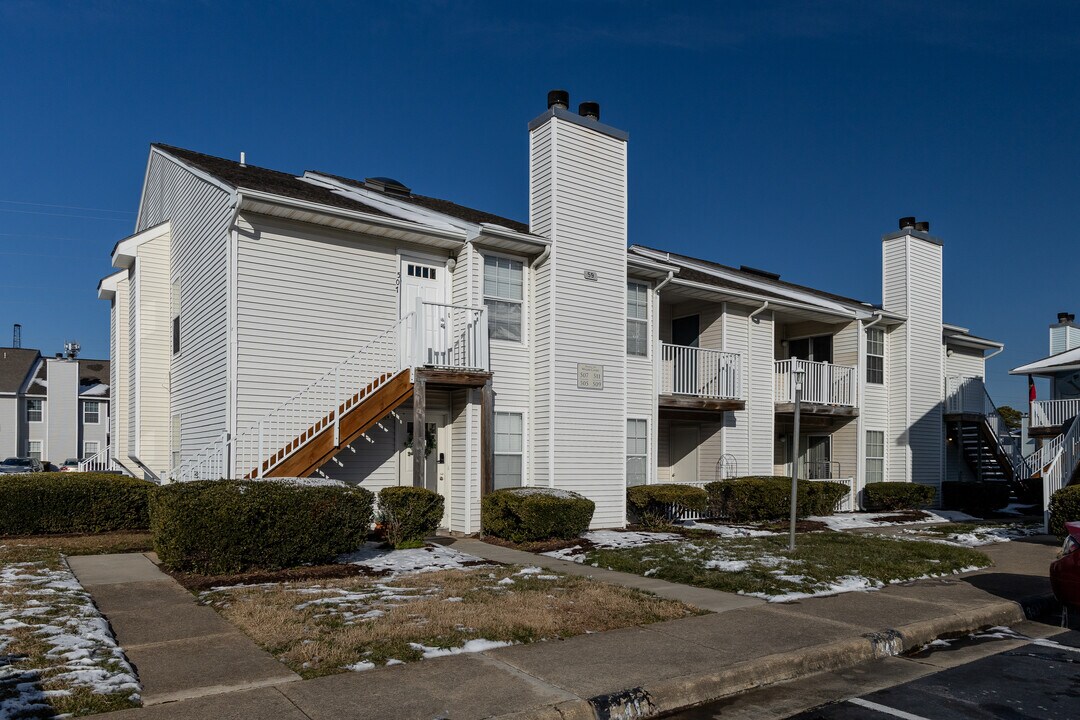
x=875 y=356
x=964 y=362
x=152 y=362
x=875 y=456
x=637 y=319
x=637 y=452
x=35 y=410
x=504 y=293
x=174 y=299
x=33 y=449
x=91 y=412
x=509 y=450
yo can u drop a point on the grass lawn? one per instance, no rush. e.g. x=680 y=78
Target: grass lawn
x=823 y=563
x=56 y=653
x=358 y=623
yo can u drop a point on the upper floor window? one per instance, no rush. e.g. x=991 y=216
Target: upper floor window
x=503 y=295
x=174 y=302
x=91 y=412
x=875 y=356
x=35 y=410
x=637 y=319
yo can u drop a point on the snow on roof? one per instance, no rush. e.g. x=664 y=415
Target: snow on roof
x=95 y=390
x=1059 y=362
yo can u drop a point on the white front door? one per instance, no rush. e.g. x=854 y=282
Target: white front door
x=683 y=445
x=425 y=280
x=437 y=472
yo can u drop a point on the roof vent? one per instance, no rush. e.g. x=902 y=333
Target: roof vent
x=1064 y=317
x=387 y=185
x=589 y=110
x=559 y=99
x=762 y=273
x=923 y=226
x=907 y=223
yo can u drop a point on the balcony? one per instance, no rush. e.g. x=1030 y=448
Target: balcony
x=827 y=389
x=1052 y=414
x=694 y=378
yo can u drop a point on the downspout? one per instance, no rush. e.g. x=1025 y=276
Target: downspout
x=750 y=364
x=671 y=274
x=994 y=354
x=233 y=270
x=763 y=308
x=540 y=258
x=658 y=369
x=859 y=476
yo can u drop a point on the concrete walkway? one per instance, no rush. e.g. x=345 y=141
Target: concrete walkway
x=179 y=648
x=704 y=598
x=657 y=668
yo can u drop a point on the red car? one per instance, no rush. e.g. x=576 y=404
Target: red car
x=1065 y=571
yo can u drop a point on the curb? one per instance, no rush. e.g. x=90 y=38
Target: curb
x=686 y=691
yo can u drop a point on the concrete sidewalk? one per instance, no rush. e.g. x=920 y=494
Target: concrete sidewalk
x=656 y=668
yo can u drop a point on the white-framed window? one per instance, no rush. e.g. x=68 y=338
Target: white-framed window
x=33 y=449
x=504 y=293
x=174 y=440
x=875 y=456
x=637 y=319
x=91 y=412
x=35 y=410
x=91 y=448
x=509 y=453
x=875 y=356
x=637 y=452
x=174 y=302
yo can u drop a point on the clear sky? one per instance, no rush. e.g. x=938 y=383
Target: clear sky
x=782 y=135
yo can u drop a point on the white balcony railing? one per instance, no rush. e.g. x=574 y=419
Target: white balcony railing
x=1054 y=413
x=700 y=372
x=823 y=383
x=447 y=336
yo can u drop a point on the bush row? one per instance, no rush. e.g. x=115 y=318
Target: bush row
x=1064 y=507
x=531 y=514
x=884 y=496
x=58 y=502
x=757 y=498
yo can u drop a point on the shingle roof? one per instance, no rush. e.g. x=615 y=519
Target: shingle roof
x=94 y=372
x=253 y=177
x=15 y=365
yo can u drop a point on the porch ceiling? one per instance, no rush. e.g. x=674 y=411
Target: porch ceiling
x=837 y=411
x=684 y=407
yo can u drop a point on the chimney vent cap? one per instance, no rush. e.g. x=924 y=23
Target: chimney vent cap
x=589 y=110
x=1064 y=317
x=387 y=185
x=907 y=223
x=558 y=98
x=923 y=226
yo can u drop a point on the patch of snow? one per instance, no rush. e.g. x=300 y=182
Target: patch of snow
x=531 y=570
x=551 y=492
x=98 y=390
x=430 y=558
x=394 y=661
x=306 y=482
x=506 y=581
x=727 y=565
x=860 y=520
x=360 y=666
x=612 y=540
x=978 y=536
x=726 y=530
x=843 y=584
x=472 y=646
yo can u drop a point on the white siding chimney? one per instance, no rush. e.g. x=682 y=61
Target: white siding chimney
x=911 y=286
x=1064 y=334
x=577 y=199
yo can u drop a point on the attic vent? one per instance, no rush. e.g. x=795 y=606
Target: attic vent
x=762 y=273
x=387 y=185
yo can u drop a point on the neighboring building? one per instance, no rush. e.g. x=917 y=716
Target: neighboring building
x=266 y=323
x=52 y=408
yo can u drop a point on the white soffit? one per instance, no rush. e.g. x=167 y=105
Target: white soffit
x=123 y=255
x=107 y=286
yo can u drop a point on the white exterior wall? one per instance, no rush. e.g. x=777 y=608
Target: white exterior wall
x=94 y=432
x=964 y=362
x=150 y=335
x=62 y=421
x=119 y=374
x=198 y=213
x=585 y=184
x=10 y=423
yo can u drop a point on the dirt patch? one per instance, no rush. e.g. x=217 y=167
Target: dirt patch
x=904 y=516
x=781 y=526
x=539 y=546
x=334 y=571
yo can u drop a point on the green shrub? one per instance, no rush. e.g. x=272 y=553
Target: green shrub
x=897 y=496
x=757 y=498
x=652 y=504
x=1064 y=507
x=531 y=514
x=975 y=498
x=217 y=527
x=72 y=502
x=409 y=514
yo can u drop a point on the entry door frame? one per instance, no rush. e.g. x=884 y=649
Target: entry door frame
x=440 y=471
x=419 y=258
x=796 y=457
x=684 y=431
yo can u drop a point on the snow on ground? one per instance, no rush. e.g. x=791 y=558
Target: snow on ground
x=725 y=530
x=611 y=540
x=471 y=646
x=859 y=520
x=977 y=536
x=430 y=558
x=82 y=653
x=844 y=584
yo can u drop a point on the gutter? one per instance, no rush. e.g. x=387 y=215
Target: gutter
x=773 y=302
x=541 y=258
x=763 y=308
x=665 y=281
x=995 y=353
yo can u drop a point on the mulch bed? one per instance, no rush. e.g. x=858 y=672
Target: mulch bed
x=196 y=582
x=539 y=546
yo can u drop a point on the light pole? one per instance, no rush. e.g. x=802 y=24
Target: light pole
x=797 y=373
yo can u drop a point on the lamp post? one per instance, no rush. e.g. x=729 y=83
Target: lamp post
x=797 y=374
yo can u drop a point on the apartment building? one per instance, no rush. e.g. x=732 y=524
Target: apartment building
x=269 y=323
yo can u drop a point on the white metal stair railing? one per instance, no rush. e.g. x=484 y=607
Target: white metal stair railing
x=700 y=372
x=1061 y=468
x=968 y=395
x=1040 y=460
x=102 y=461
x=1052 y=413
x=823 y=383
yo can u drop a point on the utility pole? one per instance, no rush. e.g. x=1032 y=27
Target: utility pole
x=797 y=374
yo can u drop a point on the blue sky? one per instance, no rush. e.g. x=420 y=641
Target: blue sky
x=782 y=135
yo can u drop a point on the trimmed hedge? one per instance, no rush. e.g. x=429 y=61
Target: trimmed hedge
x=975 y=498
x=217 y=527
x=70 y=502
x=897 y=496
x=757 y=498
x=409 y=514
x=651 y=504
x=1064 y=507
x=531 y=514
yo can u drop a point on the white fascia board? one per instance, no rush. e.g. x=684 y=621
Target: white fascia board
x=106 y=289
x=1049 y=366
x=649 y=267
x=773 y=302
x=123 y=254
x=375 y=221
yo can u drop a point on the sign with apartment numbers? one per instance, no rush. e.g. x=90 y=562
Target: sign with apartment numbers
x=590 y=377
x=591 y=275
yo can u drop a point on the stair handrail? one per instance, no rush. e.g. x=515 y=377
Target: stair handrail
x=956 y=398
x=1061 y=468
x=322 y=402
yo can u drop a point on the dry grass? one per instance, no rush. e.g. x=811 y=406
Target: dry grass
x=49 y=548
x=436 y=610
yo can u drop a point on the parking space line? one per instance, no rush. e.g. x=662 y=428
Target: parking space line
x=885 y=709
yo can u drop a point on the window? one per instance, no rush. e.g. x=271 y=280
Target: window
x=91 y=412
x=422 y=271
x=637 y=319
x=875 y=356
x=175 y=303
x=875 y=456
x=33 y=449
x=90 y=449
x=637 y=452
x=503 y=293
x=508 y=450
x=35 y=409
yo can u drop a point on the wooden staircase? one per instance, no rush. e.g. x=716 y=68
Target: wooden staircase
x=983 y=453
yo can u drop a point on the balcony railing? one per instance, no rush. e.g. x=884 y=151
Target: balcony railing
x=1053 y=413
x=700 y=372
x=823 y=383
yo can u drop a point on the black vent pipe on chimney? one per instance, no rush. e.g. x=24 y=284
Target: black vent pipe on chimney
x=558 y=98
x=907 y=223
x=923 y=226
x=589 y=110
x=1064 y=317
